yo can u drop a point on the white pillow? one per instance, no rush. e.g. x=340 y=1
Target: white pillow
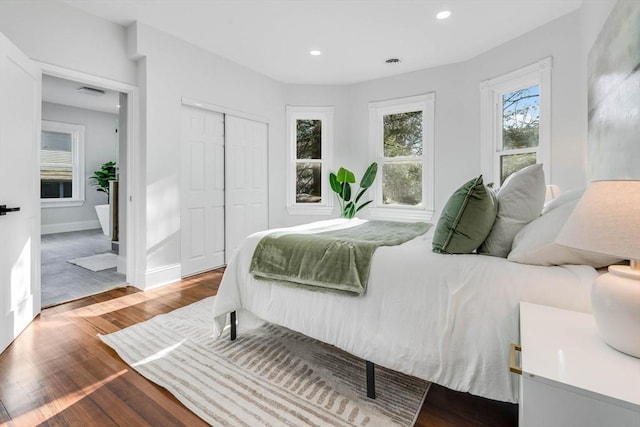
x=520 y=200
x=534 y=244
x=562 y=199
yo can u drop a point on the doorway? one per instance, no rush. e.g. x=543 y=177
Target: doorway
x=81 y=253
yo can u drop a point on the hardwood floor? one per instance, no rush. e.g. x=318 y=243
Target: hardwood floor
x=58 y=373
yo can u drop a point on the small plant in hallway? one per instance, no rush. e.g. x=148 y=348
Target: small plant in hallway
x=341 y=185
x=102 y=176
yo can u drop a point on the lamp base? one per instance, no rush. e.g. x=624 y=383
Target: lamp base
x=615 y=303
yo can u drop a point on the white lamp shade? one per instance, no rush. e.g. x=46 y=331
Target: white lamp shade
x=606 y=220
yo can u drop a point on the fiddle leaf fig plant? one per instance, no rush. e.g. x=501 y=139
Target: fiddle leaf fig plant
x=102 y=176
x=341 y=185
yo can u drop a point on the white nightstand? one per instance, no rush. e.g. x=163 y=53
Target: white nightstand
x=570 y=376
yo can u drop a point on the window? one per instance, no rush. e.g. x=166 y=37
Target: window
x=402 y=133
x=516 y=118
x=61 y=164
x=310 y=131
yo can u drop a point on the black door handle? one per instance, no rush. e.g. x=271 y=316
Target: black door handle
x=4 y=209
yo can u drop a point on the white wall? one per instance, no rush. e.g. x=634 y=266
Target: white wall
x=174 y=69
x=100 y=147
x=319 y=95
x=560 y=39
x=457 y=150
x=457 y=88
x=52 y=32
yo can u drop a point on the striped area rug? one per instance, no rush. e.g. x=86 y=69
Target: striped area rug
x=270 y=376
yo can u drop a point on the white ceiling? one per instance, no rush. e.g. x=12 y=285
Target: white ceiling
x=64 y=92
x=274 y=37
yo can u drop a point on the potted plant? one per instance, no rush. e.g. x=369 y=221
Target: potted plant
x=101 y=178
x=341 y=185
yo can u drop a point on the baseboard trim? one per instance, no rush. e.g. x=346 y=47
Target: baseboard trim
x=66 y=227
x=161 y=276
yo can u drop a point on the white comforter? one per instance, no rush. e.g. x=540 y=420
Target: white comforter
x=448 y=319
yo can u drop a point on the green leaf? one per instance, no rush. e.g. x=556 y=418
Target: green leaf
x=369 y=175
x=351 y=178
x=349 y=210
x=335 y=185
x=102 y=176
x=360 y=194
x=363 y=205
x=342 y=175
x=345 y=175
x=345 y=193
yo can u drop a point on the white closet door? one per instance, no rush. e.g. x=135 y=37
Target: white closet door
x=246 y=198
x=202 y=210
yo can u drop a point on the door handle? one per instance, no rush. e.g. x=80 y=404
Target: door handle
x=4 y=209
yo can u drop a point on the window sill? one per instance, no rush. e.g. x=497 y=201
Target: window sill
x=400 y=214
x=48 y=203
x=309 y=210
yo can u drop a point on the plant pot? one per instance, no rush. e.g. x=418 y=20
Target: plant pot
x=103 y=217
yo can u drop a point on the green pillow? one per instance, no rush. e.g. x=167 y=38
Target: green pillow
x=466 y=219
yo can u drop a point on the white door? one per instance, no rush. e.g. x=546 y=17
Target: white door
x=202 y=210
x=20 y=105
x=246 y=198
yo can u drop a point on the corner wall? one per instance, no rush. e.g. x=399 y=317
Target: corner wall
x=174 y=69
x=457 y=89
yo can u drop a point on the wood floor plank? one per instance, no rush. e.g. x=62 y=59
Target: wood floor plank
x=59 y=373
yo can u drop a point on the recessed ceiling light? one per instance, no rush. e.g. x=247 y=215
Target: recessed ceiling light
x=443 y=14
x=392 y=60
x=315 y=52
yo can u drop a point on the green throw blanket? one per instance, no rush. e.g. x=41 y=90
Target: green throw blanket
x=337 y=260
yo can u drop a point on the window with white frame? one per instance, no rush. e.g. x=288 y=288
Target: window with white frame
x=61 y=164
x=516 y=116
x=402 y=138
x=310 y=134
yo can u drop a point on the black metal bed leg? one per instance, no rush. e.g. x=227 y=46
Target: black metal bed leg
x=232 y=322
x=371 y=381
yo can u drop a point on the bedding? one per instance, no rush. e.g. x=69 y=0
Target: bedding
x=535 y=243
x=334 y=260
x=448 y=319
x=466 y=219
x=520 y=201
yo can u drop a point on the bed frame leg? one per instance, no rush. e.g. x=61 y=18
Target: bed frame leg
x=232 y=322
x=371 y=381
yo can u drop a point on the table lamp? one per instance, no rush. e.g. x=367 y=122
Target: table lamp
x=606 y=220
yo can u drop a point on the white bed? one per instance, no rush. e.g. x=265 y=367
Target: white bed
x=448 y=319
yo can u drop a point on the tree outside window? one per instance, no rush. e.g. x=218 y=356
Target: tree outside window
x=402 y=138
x=310 y=135
x=402 y=163
x=515 y=121
x=308 y=161
x=520 y=130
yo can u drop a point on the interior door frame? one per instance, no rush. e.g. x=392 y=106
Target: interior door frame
x=134 y=243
